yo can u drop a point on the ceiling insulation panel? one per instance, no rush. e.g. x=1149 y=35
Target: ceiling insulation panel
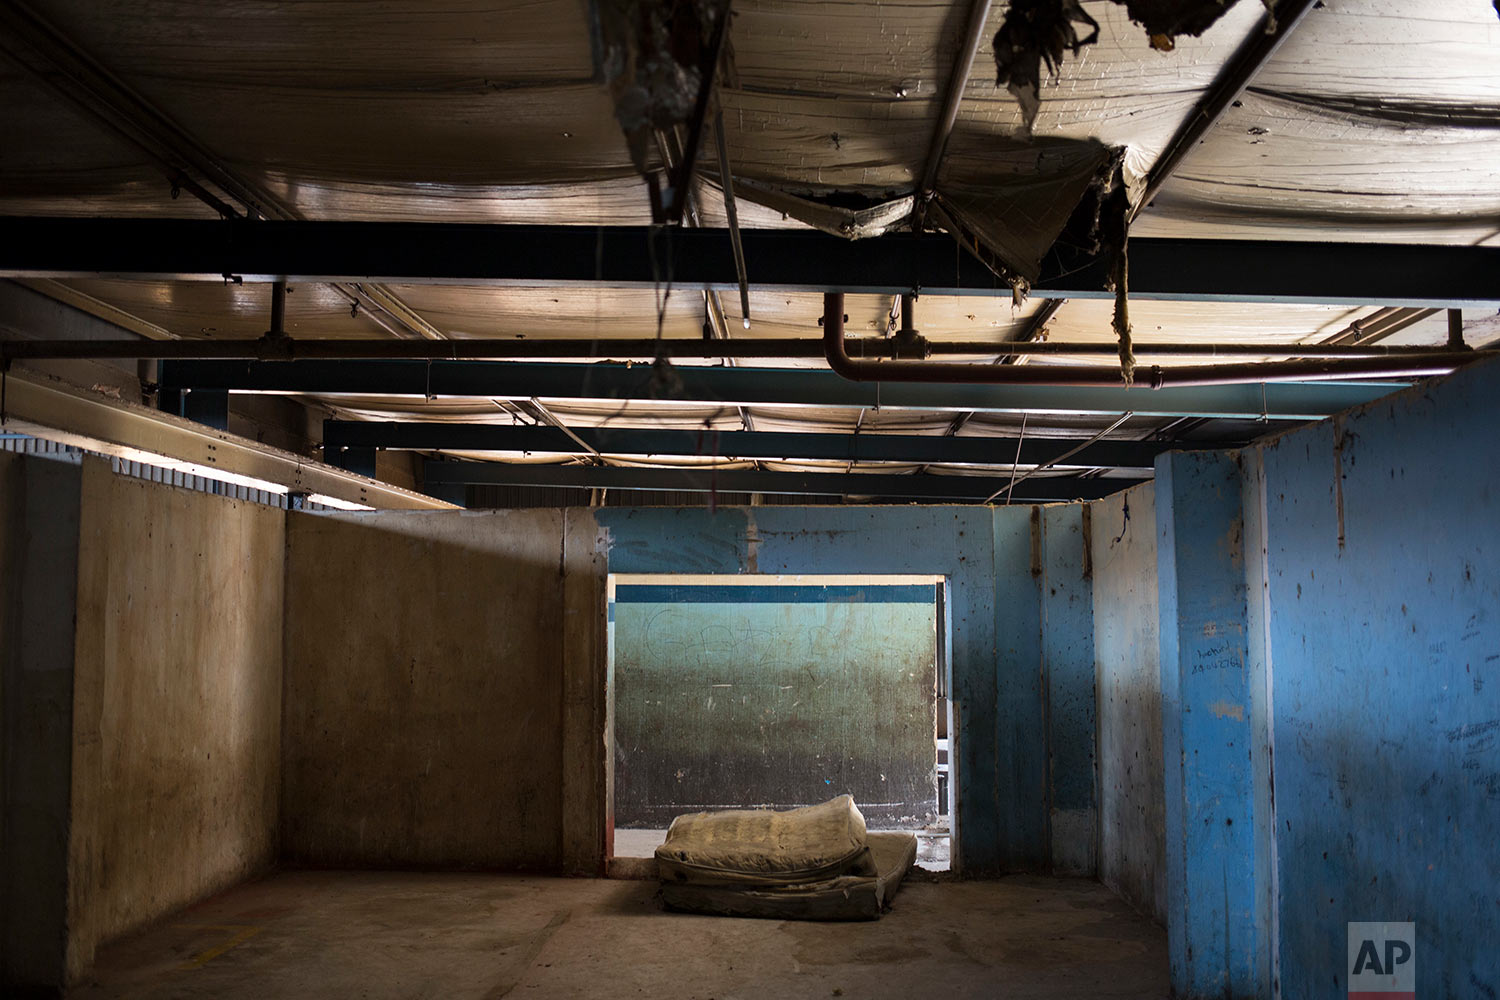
x=54 y=160
x=1119 y=91
x=891 y=50
x=203 y=310
x=1088 y=321
x=1377 y=120
x=815 y=143
x=617 y=201
x=462 y=311
x=370 y=46
x=522 y=136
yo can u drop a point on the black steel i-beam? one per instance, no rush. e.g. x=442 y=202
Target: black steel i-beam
x=761 y=387
x=441 y=475
x=787 y=260
x=765 y=445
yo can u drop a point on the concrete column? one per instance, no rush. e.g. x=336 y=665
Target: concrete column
x=39 y=505
x=1217 y=925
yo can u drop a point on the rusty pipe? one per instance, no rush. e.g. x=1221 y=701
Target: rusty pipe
x=1409 y=366
x=278 y=310
x=1456 y=330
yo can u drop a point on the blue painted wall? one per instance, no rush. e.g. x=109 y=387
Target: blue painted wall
x=1384 y=650
x=1067 y=602
x=1216 y=935
x=999 y=676
x=1329 y=607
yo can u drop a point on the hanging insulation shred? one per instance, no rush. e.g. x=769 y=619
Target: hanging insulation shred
x=1111 y=232
x=1165 y=20
x=1035 y=32
x=651 y=55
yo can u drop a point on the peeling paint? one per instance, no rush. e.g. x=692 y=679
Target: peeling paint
x=1225 y=710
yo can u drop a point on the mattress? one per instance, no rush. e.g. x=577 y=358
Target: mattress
x=843 y=897
x=760 y=847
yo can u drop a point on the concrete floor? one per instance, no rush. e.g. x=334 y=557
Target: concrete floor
x=392 y=934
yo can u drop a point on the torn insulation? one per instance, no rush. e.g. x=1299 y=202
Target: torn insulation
x=651 y=56
x=1035 y=32
x=1166 y=20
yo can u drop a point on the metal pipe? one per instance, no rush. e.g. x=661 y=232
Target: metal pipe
x=1432 y=363
x=682 y=183
x=731 y=211
x=1055 y=461
x=1027 y=336
x=908 y=314
x=958 y=82
x=278 y=310
x=778 y=347
x=1380 y=325
x=1456 y=330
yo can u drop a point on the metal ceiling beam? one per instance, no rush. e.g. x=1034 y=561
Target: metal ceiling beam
x=969 y=489
x=760 y=386
x=958 y=83
x=770 y=445
x=97 y=308
x=1378 y=326
x=1026 y=344
x=55 y=59
x=713 y=305
x=50 y=409
x=497 y=349
x=791 y=260
x=1248 y=60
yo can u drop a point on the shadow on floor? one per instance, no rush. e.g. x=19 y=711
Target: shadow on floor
x=392 y=934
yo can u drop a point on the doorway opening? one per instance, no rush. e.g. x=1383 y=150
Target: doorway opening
x=778 y=691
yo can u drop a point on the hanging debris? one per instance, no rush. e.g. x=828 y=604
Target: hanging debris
x=651 y=54
x=1111 y=232
x=1041 y=32
x=1036 y=32
x=1165 y=20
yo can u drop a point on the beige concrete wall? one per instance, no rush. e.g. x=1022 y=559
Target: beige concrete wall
x=429 y=660
x=177 y=702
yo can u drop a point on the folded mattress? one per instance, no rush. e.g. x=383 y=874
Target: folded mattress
x=759 y=847
x=842 y=897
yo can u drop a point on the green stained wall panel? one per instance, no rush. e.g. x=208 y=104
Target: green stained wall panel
x=774 y=696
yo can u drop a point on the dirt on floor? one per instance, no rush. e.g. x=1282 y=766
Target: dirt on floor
x=397 y=934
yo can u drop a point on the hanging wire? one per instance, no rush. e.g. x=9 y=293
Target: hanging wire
x=1053 y=461
x=1124 y=525
x=1016 y=461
